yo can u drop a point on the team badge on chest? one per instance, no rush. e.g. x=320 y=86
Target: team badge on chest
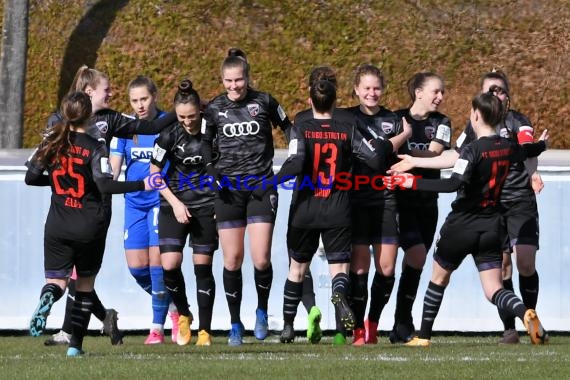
x=253 y=109
x=102 y=126
x=387 y=128
x=430 y=132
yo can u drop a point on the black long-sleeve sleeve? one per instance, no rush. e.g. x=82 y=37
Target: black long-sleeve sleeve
x=33 y=178
x=444 y=185
x=157 y=125
x=534 y=149
x=110 y=186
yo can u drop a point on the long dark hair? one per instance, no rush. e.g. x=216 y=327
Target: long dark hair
x=418 y=81
x=490 y=107
x=75 y=110
x=323 y=95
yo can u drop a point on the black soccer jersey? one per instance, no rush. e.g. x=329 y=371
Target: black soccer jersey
x=384 y=124
x=436 y=127
x=482 y=167
x=518 y=128
x=244 y=132
x=77 y=211
x=186 y=174
x=322 y=153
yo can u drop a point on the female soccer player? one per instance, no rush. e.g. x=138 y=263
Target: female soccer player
x=241 y=119
x=141 y=209
x=104 y=124
x=431 y=135
x=374 y=214
x=186 y=209
x=517 y=198
x=77 y=222
x=322 y=149
x=474 y=224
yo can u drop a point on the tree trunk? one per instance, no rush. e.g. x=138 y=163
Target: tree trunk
x=13 y=72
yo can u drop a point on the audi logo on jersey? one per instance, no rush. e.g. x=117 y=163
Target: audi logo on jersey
x=193 y=160
x=418 y=146
x=246 y=128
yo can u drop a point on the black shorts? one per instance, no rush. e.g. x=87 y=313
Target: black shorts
x=238 y=208
x=201 y=229
x=417 y=223
x=374 y=224
x=464 y=234
x=521 y=222
x=302 y=243
x=61 y=255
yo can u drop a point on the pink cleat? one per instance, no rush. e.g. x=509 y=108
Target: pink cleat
x=155 y=337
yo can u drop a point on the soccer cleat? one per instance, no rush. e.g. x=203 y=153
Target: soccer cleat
x=288 y=334
x=59 y=338
x=371 y=332
x=314 y=332
x=204 y=338
x=358 y=337
x=236 y=334
x=184 y=333
x=339 y=339
x=73 y=352
x=534 y=328
x=174 y=318
x=261 y=328
x=401 y=333
x=510 y=336
x=418 y=342
x=155 y=337
x=39 y=318
x=110 y=327
x=343 y=311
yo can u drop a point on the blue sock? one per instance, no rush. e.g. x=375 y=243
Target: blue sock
x=143 y=277
x=160 y=296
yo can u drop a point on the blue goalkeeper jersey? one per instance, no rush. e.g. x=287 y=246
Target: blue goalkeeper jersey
x=137 y=153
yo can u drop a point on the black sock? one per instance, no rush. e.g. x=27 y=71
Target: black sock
x=205 y=294
x=54 y=289
x=407 y=290
x=174 y=283
x=80 y=315
x=358 y=297
x=432 y=302
x=308 y=298
x=263 y=279
x=340 y=284
x=233 y=284
x=98 y=309
x=379 y=295
x=508 y=303
x=66 y=327
x=529 y=290
x=507 y=318
x=291 y=297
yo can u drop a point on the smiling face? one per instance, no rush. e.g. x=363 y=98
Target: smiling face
x=235 y=82
x=369 y=90
x=430 y=95
x=100 y=95
x=143 y=102
x=188 y=115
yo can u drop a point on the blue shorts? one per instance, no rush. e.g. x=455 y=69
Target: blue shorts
x=141 y=227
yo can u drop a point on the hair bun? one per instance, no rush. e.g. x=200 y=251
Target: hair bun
x=237 y=52
x=185 y=87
